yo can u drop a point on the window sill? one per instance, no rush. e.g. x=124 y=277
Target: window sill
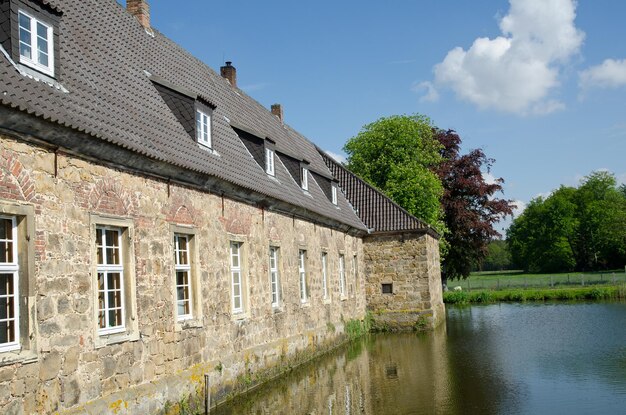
x=191 y=323
x=239 y=316
x=344 y=298
x=18 y=356
x=305 y=304
x=104 y=340
x=277 y=309
x=326 y=301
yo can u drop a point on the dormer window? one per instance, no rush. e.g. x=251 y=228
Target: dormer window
x=269 y=161
x=334 y=194
x=305 y=178
x=203 y=128
x=36 y=43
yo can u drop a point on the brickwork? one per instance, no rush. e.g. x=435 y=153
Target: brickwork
x=75 y=371
x=408 y=265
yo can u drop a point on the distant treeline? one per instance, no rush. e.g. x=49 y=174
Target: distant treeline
x=580 y=229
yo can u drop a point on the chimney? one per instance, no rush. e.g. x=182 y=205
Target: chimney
x=141 y=10
x=229 y=72
x=277 y=110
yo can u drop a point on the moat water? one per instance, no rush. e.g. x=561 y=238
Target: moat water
x=556 y=358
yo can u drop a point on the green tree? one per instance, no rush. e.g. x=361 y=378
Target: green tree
x=583 y=228
x=498 y=256
x=397 y=154
x=541 y=238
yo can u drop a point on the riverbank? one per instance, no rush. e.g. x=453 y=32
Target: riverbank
x=521 y=295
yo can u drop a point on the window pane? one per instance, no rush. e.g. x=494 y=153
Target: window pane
x=113 y=281
x=6 y=252
x=115 y=299
x=6 y=284
x=6 y=229
x=4 y=332
x=42 y=32
x=25 y=51
x=42 y=57
x=182 y=278
x=24 y=21
x=4 y=311
x=115 y=318
x=183 y=308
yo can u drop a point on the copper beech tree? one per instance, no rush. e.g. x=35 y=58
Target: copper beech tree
x=469 y=207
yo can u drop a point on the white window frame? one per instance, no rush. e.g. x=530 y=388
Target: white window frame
x=302 y=275
x=34 y=44
x=105 y=269
x=236 y=270
x=325 y=295
x=269 y=161
x=185 y=268
x=12 y=268
x=342 y=275
x=305 y=178
x=274 y=276
x=333 y=192
x=203 y=128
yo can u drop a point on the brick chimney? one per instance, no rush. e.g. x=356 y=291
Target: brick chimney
x=277 y=110
x=229 y=72
x=141 y=10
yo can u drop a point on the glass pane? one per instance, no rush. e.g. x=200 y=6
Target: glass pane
x=100 y=281
x=113 y=281
x=182 y=293
x=6 y=252
x=182 y=253
x=236 y=291
x=7 y=332
x=99 y=245
x=113 y=255
x=115 y=299
x=182 y=278
x=237 y=302
x=6 y=229
x=10 y=306
x=25 y=51
x=183 y=308
x=115 y=318
x=4 y=304
x=42 y=58
x=42 y=32
x=101 y=321
x=24 y=21
x=6 y=284
x=235 y=278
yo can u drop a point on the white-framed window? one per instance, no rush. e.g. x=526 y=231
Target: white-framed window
x=36 y=43
x=269 y=161
x=203 y=128
x=236 y=277
x=342 y=275
x=334 y=194
x=305 y=178
x=110 y=268
x=9 y=285
x=302 y=273
x=325 y=276
x=274 y=277
x=184 y=286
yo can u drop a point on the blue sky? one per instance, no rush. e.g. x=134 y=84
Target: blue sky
x=540 y=85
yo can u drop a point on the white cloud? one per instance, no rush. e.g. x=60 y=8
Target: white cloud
x=428 y=91
x=520 y=206
x=515 y=72
x=621 y=179
x=609 y=74
x=340 y=158
x=490 y=178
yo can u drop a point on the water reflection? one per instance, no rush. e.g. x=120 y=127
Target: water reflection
x=498 y=359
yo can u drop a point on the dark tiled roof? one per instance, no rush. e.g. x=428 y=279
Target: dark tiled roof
x=376 y=210
x=107 y=63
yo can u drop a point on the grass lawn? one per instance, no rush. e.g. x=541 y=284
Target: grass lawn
x=500 y=280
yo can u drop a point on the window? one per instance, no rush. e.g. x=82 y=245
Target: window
x=115 y=313
x=269 y=161
x=302 y=273
x=9 y=285
x=305 y=178
x=355 y=280
x=334 y=194
x=184 y=294
x=111 y=310
x=203 y=128
x=342 y=276
x=324 y=276
x=236 y=277
x=36 y=43
x=17 y=302
x=274 y=278
x=387 y=288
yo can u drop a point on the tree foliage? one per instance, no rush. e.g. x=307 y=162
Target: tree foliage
x=470 y=207
x=498 y=257
x=397 y=154
x=582 y=229
x=422 y=169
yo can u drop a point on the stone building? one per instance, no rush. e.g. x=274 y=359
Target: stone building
x=160 y=228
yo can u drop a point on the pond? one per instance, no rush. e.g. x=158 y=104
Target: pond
x=544 y=358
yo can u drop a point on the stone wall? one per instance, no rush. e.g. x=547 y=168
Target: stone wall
x=65 y=365
x=403 y=287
